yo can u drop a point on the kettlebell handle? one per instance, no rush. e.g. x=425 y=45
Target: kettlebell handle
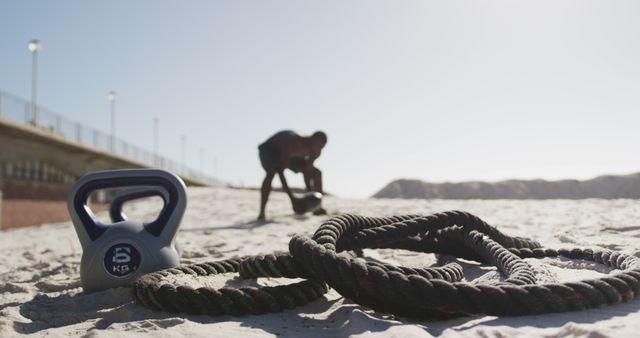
x=130 y=194
x=85 y=221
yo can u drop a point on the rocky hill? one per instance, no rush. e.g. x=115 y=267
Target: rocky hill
x=609 y=186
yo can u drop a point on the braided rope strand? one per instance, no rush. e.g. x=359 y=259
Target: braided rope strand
x=152 y=291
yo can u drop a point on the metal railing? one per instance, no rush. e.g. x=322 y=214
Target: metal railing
x=18 y=110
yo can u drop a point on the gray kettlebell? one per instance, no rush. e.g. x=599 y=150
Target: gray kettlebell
x=309 y=202
x=117 y=254
x=123 y=196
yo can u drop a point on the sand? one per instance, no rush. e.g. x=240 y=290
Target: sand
x=40 y=292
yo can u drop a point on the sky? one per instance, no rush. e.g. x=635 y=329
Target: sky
x=442 y=91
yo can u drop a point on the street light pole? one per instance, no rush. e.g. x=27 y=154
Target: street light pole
x=34 y=47
x=112 y=96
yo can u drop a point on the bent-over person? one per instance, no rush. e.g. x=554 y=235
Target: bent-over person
x=289 y=150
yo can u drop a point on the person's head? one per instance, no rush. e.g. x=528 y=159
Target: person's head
x=318 y=140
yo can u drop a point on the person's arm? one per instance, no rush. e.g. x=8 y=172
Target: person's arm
x=316 y=180
x=307 y=181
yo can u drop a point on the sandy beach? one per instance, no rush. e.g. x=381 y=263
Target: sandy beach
x=40 y=291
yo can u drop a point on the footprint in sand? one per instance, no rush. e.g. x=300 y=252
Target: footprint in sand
x=193 y=254
x=13 y=288
x=58 y=286
x=565 y=238
x=71 y=308
x=147 y=325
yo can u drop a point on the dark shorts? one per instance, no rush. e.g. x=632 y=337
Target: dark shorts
x=268 y=158
x=298 y=164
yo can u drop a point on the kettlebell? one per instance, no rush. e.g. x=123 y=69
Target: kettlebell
x=123 y=196
x=309 y=202
x=117 y=254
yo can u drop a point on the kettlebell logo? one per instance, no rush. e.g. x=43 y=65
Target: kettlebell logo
x=121 y=260
x=122 y=255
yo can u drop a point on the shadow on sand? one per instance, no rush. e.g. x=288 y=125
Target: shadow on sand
x=117 y=307
x=68 y=309
x=542 y=321
x=250 y=224
x=237 y=226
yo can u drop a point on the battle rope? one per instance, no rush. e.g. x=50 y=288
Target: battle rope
x=416 y=296
x=416 y=292
x=153 y=293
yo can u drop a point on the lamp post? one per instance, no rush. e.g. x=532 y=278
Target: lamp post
x=34 y=47
x=112 y=96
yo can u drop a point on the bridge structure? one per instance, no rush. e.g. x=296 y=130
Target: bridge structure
x=40 y=159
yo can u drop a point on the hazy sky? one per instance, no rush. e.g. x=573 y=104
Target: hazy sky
x=436 y=90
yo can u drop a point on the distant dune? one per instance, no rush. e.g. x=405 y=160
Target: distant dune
x=608 y=186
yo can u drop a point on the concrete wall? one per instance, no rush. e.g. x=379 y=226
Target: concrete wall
x=1 y=205
x=34 y=190
x=30 y=203
x=26 y=203
x=20 y=213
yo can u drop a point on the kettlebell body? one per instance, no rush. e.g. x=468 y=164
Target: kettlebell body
x=117 y=254
x=309 y=202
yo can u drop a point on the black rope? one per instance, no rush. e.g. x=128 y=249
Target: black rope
x=152 y=291
x=417 y=292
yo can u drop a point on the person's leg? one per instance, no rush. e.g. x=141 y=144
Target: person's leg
x=316 y=183
x=285 y=186
x=268 y=161
x=296 y=204
x=266 y=189
x=307 y=181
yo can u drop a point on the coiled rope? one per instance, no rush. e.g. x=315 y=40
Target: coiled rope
x=416 y=292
